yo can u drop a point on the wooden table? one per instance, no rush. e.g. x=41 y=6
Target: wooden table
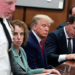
x=68 y=67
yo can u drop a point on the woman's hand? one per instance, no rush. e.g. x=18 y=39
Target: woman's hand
x=51 y=71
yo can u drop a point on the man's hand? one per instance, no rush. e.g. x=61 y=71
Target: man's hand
x=70 y=57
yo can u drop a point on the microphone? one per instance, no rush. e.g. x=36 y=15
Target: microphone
x=50 y=66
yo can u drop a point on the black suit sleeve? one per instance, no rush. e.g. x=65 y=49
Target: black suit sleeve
x=51 y=48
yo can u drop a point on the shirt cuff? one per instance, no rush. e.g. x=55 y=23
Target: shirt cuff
x=62 y=58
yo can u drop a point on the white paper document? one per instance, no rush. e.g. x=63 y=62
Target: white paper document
x=60 y=4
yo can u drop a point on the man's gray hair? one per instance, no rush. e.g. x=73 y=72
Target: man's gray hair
x=40 y=16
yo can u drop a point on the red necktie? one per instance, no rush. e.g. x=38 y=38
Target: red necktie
x=41 y=44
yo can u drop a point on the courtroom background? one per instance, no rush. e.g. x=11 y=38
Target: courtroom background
x=26 y=14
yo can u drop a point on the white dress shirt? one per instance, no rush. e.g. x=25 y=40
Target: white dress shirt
x=63 y=57
x=5 y=68
x=37 y=37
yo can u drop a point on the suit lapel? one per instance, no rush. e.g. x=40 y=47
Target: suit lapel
x=36 y=43
x=24 y=61
x=63 y=41
x=23 y=58
x=17 y=58
x=73 y=45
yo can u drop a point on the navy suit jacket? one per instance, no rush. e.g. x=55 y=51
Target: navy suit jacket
x=56 y=45
x=34 y=53
x=62 y=25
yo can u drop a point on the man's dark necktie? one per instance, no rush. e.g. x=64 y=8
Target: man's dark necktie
x=69 y=46
x=6 y=33
x=8 y=38
x=41 y=44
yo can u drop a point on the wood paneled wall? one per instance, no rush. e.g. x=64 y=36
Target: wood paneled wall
x=59 y=16
x=71 y=3
x=18 y=13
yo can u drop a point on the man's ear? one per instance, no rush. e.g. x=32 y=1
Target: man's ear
x=34 y=27
x=67 y=23
x=70 y=15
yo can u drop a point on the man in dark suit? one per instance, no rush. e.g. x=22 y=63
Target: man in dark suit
x=36 y=52
x=71 y=12
x=60 y=44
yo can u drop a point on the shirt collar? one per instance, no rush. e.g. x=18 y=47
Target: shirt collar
x=66 y=33
x=37 y=37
